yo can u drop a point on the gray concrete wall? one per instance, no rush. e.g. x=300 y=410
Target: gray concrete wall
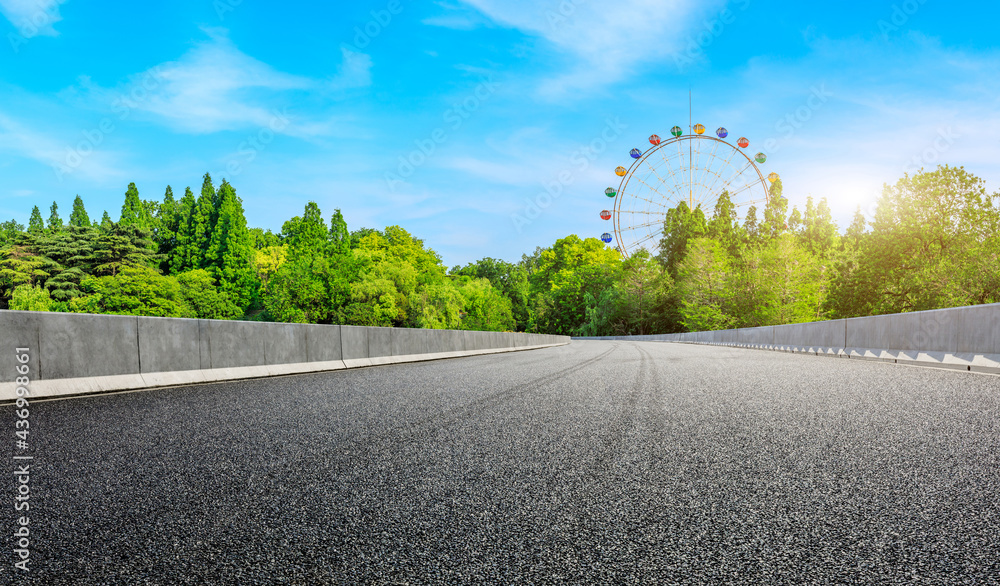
x=108 y=352
x=966 y=338
x=71 y=345
x=167 y=345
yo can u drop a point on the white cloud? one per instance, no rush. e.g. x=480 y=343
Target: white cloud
x=20 y=140
x=355 y=71
x=32 y=17
x=216 y=87
x=609 y=42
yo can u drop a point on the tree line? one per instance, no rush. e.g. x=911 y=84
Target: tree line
x=934 y=241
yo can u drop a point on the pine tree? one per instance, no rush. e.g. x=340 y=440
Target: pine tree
x=133 y=210
x=36 y=224
x=166 y=228
x=775 y=214
x=795 y=220
x=183 y=257
x=340 y=237
x=120 y=247
x=231 y=252
x=681 y=225
x=306 y=235
x=856 y=231
x=106 y=223
x=203 y=222
x=79 y=217
x=724 y=226
x=55 y=222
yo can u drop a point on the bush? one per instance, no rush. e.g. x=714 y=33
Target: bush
x=31 y=298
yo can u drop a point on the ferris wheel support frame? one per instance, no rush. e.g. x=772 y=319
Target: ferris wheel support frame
x=675 y=140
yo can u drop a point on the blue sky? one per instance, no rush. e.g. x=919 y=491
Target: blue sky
x=453 y=118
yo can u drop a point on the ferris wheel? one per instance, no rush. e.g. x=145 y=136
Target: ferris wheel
x=693 y=168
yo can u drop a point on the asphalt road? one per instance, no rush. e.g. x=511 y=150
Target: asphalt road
x=598 y=462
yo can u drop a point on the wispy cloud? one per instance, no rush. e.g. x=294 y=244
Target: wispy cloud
x=216 y=87
x=21 y=140
x=608 y=43
x=33 y=17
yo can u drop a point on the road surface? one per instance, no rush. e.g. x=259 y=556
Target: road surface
x=597 y=462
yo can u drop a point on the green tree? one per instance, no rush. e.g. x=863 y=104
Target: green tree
x=819 y=232
x=439 y=306
x=775 y=214
x=70 y=251
x=19 y=265
x=857 y=230
x=640 y=302
x=510 y=279
x=205 y=299
x=79 y=217
x=485 y=308
x=9 y=231
x=306 y=235
x=703 y=287
x=135 y=290
x=134 y=211
x=35 y=223
x=121 y=247
x=298 y=292
x=751 y=227
x=167 y=222
x=340 y=237
x=55 y=222
x=264 y=239
x=795 y=221
x=682 y=224
x=106 y=222
x=789 y=283
x=203 y=219
x=185 y=255
x=569 y=276
x=724 y=226
x=231 y=254
x=931 y=246
x=30 y=298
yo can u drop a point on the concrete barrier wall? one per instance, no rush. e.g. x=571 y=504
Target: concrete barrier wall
x=77 y=354
x=966 y=338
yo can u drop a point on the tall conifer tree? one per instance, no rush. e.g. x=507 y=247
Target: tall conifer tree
x=55 y=222
x=133 y=211
x=184 y=256
x=340 y=238
x=35 y=223
x=231 y=252
x=79 y=217
x=203 y=224
x=166 y=228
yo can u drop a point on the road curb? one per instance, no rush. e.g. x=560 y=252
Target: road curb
x=87 y=386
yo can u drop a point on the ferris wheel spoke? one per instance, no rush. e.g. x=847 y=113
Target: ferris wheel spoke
x=645 y=239
x=746 y=187
x=734 y=176
x=726 y=166
x=670 y=169
x=661 y=214
x=646 y=225
x=663 y=181
x=655 y=190
x=707 y=169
